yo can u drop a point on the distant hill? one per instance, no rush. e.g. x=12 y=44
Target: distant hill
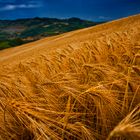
x=20 y=31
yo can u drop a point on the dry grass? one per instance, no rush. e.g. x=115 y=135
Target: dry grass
x=87 y=92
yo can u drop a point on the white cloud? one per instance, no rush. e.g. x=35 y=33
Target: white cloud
x=104 y=18
x=9 y=7
x=7 y=1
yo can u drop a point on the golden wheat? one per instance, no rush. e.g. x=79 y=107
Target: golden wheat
x=87 y=90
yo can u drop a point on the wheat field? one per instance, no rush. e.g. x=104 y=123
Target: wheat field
x=82 y=85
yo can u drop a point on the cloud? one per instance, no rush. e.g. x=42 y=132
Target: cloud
x=9 y=7
x=7 y=1
x=103 y=18
x=19 y=1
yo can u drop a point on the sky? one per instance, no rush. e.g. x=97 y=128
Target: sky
x=94 y=10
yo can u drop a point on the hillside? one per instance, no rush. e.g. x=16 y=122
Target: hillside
x=21 y=31
x=81 y=85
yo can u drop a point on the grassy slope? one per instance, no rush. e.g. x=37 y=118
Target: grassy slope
x=79 y=85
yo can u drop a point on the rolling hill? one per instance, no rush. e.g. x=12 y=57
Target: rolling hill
x=21 y=31
x=81 y=85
